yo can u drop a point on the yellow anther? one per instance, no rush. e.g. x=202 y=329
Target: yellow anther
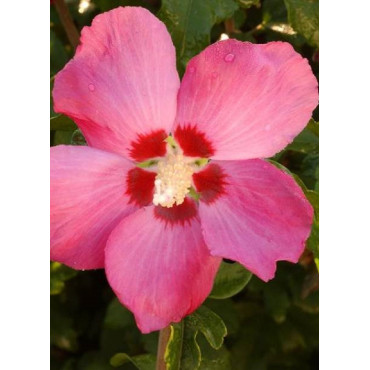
x=173 y=181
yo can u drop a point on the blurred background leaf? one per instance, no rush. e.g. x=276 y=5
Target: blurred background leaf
x=189 y=23
x=303 y=16
x=141 y=362
x=62 y=123
x=59 y=274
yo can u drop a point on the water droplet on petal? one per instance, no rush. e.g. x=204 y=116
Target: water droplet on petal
x=91 y=87
x=229 y=57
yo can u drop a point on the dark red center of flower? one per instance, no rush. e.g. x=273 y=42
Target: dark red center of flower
x=169 y=182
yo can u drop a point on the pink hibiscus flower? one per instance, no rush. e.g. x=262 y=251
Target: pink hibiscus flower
x=160 y=245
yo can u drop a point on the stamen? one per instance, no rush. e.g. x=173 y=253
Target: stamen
x=173 y=180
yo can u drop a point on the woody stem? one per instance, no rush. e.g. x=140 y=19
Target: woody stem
x=67 y=22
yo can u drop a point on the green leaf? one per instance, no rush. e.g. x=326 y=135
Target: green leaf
x=142 y=362
x=62 y=332
x=239 y=18
x=313 y=197
x=210 y=324
x=106 y=5
x=313 y=126
x=190 y=22
x=308 y=140
x=230 y=280
x=93 y=360
x=274 y=11
x=117 y=316
x=78 y=138
x=182 y=352
x=119 y=332
x=174 y=346
x=62 y=123
x=276 y=301
x=213 y=359
x=191 y=355
x=58 y=54
x=59 y=274
x=309 y=170
x=303 y=15
x=226 y=309
x=61 y=137
x=313 y=240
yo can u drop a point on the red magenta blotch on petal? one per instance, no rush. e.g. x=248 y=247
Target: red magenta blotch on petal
x=140 y=186
x=210 y=183
x=149 y=146
x=193 y=142
x=180 y=214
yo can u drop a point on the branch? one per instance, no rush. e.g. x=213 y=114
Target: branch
x=67 y=22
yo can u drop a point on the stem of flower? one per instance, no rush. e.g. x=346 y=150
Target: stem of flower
x=164 y=336
x=229 y=26
x=67 y=22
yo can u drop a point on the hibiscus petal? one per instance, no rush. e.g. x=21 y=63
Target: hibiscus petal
x=122 y=84
x=261 y=216
x=246 y=100
x=159 y=266
x=87 y=201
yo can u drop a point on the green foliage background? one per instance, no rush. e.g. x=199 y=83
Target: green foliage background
x=245 y=324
